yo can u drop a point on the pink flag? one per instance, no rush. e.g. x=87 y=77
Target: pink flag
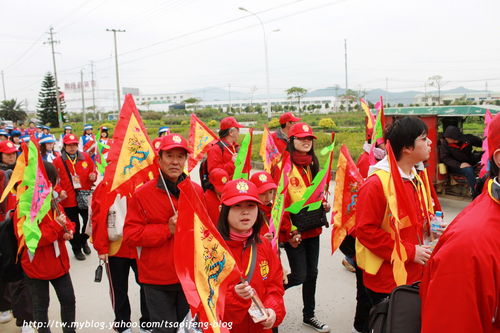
x=484 y=159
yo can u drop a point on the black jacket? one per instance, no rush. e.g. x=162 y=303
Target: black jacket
x=455 y=154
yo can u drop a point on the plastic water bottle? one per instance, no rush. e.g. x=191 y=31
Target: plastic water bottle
x=437 y=224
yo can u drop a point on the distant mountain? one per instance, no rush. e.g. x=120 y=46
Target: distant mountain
x=405 y=97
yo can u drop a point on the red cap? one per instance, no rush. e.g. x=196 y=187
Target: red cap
x=218 y=178
x=239 y=190
x=287 y=117
x=229 y=122
x=263 y=181
x=301 y=130
x=156 y=144
x=172 y=140
x=70 y=139
x=494 y=135
x=7 y=147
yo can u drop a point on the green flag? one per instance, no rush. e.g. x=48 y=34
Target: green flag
x=242 y=165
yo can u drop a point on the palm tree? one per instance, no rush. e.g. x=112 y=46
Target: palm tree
x=12 y=110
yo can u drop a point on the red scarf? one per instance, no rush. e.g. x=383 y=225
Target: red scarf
x=301 y=160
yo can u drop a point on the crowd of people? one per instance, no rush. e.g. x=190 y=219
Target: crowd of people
x=460 y=276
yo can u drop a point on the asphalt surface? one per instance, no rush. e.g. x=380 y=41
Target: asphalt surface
x=335 y=295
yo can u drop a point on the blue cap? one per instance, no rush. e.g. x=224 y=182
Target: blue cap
x=46 y=127
x=104 y=128
x=15 y=133
x=39 y=126
x=67 y=127
x=163 y=129
x=87 y=127
x=4 y=133
x=25 y=138
x=9 y=127
x=47 y=138
x=439 y=213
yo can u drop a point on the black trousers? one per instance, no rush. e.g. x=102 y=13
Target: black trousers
x=375 y=297
x=363 y=304
x=66 y=295
x=304 y=270
x=166 y=304
x=120 y=269
x=80 y=237
x=16 y=296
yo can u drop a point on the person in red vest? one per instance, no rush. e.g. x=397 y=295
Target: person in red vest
x=460 y=290
x=280 y=136
x=150 y=227
x=121 y=257
x=302 y=246
x=374 y=242
x=77 y=172
x=239 y=225
x=223 y=153
x=218 y=179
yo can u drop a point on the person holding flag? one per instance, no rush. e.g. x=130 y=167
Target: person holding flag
x=223 y=153
x=460 y=288
x=280 y=136
x=50 y=263
x=77 y=173
x=239 y=224
x=390 y=227
x=302 y=246
x=150 y=226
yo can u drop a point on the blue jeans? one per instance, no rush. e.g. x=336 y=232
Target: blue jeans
x=469 y=173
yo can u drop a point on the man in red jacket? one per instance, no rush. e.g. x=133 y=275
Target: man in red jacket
x=461 y=286
x=375 y=242
x=223 y=153
x=77 y=172
x=280 y=136
x=150 y=227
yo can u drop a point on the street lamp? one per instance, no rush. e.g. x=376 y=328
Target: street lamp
x=266 y=60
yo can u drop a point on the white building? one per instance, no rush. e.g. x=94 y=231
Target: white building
x=160 y=102
x=476 y=97
x=104 y=99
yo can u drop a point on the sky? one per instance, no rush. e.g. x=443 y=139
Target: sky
x=176 y=45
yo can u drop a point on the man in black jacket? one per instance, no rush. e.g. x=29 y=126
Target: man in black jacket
x=456 y=152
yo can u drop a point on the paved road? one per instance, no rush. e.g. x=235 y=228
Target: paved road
x=335 y=295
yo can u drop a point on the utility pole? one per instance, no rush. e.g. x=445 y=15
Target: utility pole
x=116 y=68
x=346 y=86
x=92 y=87
x=83 y=97
x=51 y=41
x=3 y=85
x=229 y=86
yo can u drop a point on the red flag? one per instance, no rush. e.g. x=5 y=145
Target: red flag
x=200 y=139
x=404 y=213
x=203 y=262
x=268 y=150
x=348 y=180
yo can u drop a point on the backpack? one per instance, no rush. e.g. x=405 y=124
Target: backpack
x=398 y=313
x=205 y=182
x=10 y=264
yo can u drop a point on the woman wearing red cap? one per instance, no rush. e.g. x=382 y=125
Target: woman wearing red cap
x=302 y=246
x=239 y=224
x=267 y=192
x=218 y=179
x=77 y=173
x=223 y=153
x=460 y=289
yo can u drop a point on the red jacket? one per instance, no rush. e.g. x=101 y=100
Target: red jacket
x=370 y=213
x=100 y=239
x=146 y=227
x=266 y=211
x=218 y=157
x=460 y=289
x=45 y=264
x=213 y=205
x=83 y=167
x=363 y=164
x=267 y=281
x=279 y=141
